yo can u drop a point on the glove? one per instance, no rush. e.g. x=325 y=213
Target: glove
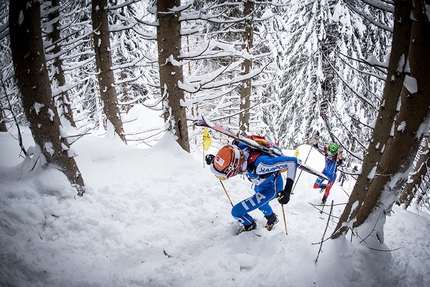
x=209 y=159
x=284 y=195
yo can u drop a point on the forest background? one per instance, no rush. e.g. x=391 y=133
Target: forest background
x=69 y=68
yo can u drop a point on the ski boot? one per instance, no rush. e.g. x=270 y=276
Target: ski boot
x=323 y=188
x=271 y=221
x=324 y=199
x=250 y=227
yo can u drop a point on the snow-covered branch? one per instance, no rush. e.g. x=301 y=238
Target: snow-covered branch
x=387 y=6
x=347 y=84
x=122 y=5
x=369 y=18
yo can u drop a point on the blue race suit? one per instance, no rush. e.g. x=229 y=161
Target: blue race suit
x=329 y=170
x=264 y=172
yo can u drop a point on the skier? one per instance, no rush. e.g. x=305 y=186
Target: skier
x=333 y=159
x=342 y=176
x=263 y=171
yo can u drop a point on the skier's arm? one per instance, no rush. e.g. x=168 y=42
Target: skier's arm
x=266 y=164
x=319 y=147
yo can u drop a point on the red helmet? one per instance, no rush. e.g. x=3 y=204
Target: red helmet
x=228 y=162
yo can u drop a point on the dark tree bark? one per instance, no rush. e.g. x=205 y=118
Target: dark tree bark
x=417 y=178
x=386 y=114
x=62 y=100
x=245 y=87
x=30 y=69
x=3 y=127
x=410 y=125
x=99 y=14
x=169 y=47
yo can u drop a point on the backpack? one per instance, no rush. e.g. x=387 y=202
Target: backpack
x=254 y=154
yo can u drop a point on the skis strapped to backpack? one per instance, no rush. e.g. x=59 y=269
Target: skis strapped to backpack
x=257 y=143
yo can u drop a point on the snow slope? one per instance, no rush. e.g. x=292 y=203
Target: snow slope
x=156 y=217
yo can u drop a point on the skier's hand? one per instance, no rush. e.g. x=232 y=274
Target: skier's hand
x=209 y=159
x=284 y=195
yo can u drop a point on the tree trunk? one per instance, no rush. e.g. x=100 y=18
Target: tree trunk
x=62 y=100
x=409 y=127
x=169 y=47
x=386 y=114
x=99 y=14
x=3 y=127
x=33 y=81
x=245 y=87
x=417 y=177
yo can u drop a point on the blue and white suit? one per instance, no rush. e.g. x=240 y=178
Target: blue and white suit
x=264 y=172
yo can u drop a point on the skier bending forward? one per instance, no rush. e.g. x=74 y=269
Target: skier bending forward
x=263 y=171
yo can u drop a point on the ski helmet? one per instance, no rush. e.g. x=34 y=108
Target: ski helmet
x=228 y=162
x=332 y=149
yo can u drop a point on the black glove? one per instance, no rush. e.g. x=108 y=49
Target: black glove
x=284 y=195
x=209 y=159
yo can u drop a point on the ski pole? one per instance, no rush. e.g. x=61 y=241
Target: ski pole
x=285 y=221
x=226 y=193
x=295 y=182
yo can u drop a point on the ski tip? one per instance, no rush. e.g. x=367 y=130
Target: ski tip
x=200 y=122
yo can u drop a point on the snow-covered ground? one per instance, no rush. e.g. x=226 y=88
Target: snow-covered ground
x=157 y=217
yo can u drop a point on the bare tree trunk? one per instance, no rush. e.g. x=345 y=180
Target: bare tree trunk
x=33 y=81
x=62 y=100
x=417 y=177
x=3 y=127
x=387 y=112
x=410 y=125
x=245 y=87
x=99 y=14
x=169 y=46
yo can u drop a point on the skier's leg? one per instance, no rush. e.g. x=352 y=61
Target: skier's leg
x=318 y=183
x=240 y=210
x=271 y=191
x=328 y=188
x=260 y=200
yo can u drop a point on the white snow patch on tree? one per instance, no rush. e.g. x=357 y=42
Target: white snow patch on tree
x=49 y=148
x=37 y=107
x=402 y=126
x=410 y=83
x=373 y=172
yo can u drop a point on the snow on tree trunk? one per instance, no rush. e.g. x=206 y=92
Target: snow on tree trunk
x=33 y=81
x=417 y=177
x=385 y=118
x=169 y=47
x=99 y=15
x=63 y=101
x=409 y=127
